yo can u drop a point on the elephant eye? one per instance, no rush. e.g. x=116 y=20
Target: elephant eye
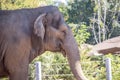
x=55 y=24
x=64 y=32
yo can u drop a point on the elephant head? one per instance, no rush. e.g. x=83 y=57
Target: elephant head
x=56 y=36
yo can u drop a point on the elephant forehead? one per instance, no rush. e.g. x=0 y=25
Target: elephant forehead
x=57 y=15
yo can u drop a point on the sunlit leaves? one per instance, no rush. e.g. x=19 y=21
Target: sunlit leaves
x=80 y=32
x=16 y=4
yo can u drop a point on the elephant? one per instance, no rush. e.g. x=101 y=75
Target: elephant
x=27 y=33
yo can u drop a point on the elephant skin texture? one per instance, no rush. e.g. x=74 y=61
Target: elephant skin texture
x=27 y=33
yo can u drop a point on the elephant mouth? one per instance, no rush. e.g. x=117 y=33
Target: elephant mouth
x=59 y=48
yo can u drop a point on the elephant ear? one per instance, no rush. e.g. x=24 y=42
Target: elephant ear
x=39 y=28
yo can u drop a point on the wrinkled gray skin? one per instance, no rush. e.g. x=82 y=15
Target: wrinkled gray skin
x=27 y=33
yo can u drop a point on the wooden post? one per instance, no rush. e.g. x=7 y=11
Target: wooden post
x=108 y=69
x=38 y=71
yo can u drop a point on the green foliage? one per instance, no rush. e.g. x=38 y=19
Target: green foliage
x=80 y=32
x=105 y=20
x=54 y=66
x=94 y=66
x=80 y=11
x=16 y=4
x=115 y=65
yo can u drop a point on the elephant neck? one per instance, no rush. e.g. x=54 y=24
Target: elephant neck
x=34 y=52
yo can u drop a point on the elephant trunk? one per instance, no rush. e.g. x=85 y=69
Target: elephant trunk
x=72 y=53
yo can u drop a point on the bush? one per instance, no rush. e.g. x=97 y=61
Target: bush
x=55 y=66
x=80 y=32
